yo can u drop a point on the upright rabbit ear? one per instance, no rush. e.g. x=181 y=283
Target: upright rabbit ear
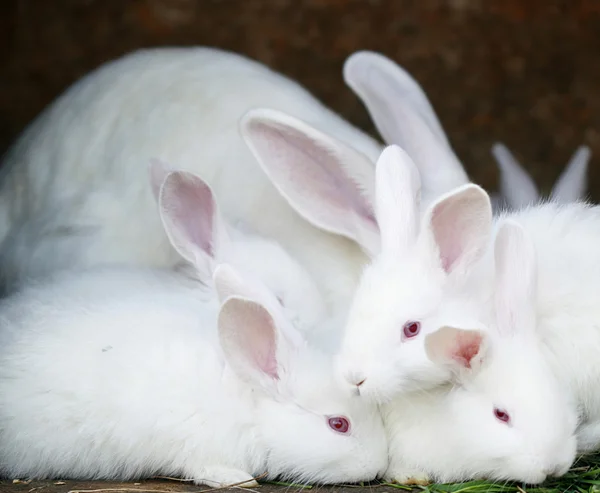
x=158 y=171
x=516 y=273
x=516 y=186
x=457 y=228
x=404 y=116
x=571 y=185
x=192 y=221
x=460 y=350
x=398 y=189
x=252 y=343
x=328 y=183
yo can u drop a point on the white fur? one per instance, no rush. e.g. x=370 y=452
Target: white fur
x=517 y=188
x=75 y=189
x=191 y=218
x=419 y=276
x=410 y=283
x=451 y=433
x=120 y=373
x=539 y=361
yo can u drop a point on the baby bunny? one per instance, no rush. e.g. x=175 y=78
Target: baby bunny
x=505 y=415
x=416 y=284
x=438 y=271
x=517 y=189
x=123 y=372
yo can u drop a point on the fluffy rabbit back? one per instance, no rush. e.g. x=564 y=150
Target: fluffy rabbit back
x=123 y=373
x=76 y=348
x=84 y=160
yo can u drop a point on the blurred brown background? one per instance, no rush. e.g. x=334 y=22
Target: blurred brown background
x=526 y=72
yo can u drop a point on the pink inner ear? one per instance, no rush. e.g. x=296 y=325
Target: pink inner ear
x=257 y=334
x=466 y=348
x=448 y=235
x=268 y=364
x=261 y=347
x=320 y=183
x=189 y=203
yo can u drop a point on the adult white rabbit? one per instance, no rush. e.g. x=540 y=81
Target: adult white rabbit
x=506 y=415
x=517 y=188
x=82 y=162
x=123 y=372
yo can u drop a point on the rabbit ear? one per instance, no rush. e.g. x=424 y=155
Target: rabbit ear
x=515 y=289
x=328 y=183
x=516 y=186
x=459 y=349
x=252 y=343
x=404 y=116
x=457 y=228
x=158 y=171
x=571 y=185
x=398 y=189
x=191 y=220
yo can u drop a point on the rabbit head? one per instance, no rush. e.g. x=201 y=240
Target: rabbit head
x=419 y=282
x=311 y=429
x=506 y=416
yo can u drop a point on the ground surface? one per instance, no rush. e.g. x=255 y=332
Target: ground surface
x=156 y=486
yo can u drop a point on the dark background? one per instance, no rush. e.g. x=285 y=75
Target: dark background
x=526 y=72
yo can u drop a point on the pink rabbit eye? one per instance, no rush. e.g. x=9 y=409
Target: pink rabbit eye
x=339 y=424
x=501 y=415
x=411 y=329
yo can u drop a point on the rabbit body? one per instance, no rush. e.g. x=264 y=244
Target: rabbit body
x=82 y=163
x=118 y=373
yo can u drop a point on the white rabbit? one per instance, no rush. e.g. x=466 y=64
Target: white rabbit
x=438 y=271
x=505 y=415
x=517 y=189
x=82 y=162
x=191 y=218
x=120 y=372
x=416 y=284
x=79 y=165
